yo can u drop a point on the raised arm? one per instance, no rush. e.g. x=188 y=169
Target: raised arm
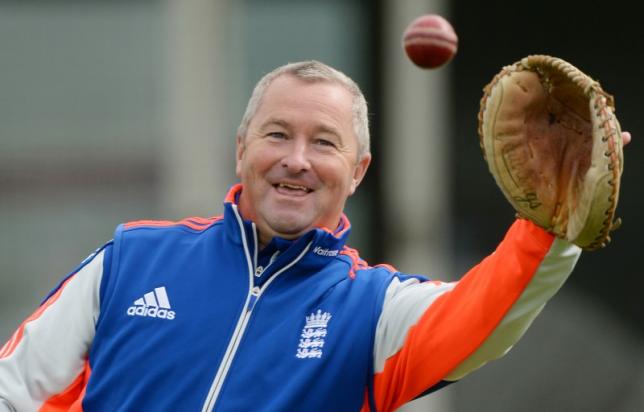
x=433 y=333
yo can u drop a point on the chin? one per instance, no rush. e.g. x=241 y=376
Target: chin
x=290 y=226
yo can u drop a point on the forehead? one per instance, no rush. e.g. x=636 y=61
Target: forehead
x=288 y=96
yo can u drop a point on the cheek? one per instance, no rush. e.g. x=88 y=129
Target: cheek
x=253 y=163
x=338 y=176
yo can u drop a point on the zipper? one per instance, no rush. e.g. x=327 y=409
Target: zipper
x=259 y=270
x=252 y=297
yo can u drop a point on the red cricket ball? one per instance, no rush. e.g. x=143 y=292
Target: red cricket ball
x=430 y=41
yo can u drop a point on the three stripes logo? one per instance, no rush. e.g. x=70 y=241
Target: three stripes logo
x=153 y=304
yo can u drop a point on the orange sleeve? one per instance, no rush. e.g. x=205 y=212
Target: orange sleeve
x=457 y=322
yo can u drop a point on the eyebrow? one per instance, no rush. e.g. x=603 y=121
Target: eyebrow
x=275 y=122
x=330 y=130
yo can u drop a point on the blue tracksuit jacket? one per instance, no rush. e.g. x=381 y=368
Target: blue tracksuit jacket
x=168 y=317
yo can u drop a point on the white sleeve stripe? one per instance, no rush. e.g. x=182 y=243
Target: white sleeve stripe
x=19 y=333
x=404 y=304
x=550 y=276
x=52 y=349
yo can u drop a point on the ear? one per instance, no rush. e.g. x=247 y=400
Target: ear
x=240 y=148
x=359 y=171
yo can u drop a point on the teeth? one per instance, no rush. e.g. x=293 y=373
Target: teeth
x=293 y=187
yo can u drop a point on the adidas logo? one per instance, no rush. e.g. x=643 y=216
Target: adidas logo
x=153 y=304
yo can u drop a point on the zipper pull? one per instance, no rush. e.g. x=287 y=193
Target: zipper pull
x=254 y=294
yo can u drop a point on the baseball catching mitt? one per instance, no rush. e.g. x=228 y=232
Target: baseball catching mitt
x=553 y=144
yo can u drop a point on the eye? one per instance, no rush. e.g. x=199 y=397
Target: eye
x=276 y=135
x=325 y=142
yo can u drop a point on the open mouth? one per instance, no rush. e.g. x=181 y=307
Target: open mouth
x=291 y=189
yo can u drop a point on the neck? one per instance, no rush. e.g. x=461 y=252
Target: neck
x=263 y=240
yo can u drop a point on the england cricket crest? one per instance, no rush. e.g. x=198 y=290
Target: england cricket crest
x=313 y=334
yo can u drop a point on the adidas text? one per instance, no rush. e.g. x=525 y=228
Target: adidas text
x=152 y=312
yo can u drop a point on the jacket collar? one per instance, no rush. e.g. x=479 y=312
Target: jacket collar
x=323 y=244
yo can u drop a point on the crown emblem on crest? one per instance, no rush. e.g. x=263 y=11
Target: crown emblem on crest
x=318 y=320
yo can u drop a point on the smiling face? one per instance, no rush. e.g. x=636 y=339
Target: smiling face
x=298 y=162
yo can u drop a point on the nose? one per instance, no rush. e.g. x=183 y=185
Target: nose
x=296 y=159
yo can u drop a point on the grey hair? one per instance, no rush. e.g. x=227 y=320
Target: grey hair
x=314 y=71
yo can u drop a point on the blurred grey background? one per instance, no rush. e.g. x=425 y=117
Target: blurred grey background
x=113 y=111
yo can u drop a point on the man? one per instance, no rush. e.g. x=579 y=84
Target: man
x=265 y=307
